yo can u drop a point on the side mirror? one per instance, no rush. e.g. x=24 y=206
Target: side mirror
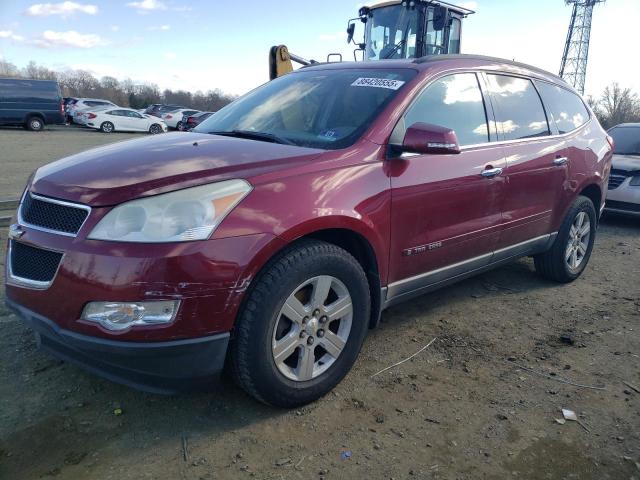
x=427 y=138
x=350 y=31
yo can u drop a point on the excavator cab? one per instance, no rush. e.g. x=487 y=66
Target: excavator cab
x=392 y=30
x=409 y=29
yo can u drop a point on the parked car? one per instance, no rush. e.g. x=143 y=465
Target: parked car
x=157 y=109
x=173 y=119
x=624 y=182
x=82 y=116
x=192 y=121
x=124 y=120
x=298 y=213
x=83 y=104
x=30 y=103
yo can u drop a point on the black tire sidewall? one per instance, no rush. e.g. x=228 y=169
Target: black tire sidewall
x=271 y=384
x=582 y=204
x=39 y=122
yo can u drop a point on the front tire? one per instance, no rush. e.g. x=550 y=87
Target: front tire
x=302 y=326
x=107 y=127
x=155 y=129
x=571 y=250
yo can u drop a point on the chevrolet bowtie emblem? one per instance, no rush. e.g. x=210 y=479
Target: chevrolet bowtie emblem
x=15 y=231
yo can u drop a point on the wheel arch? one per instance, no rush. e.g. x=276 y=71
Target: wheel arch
x=30 y=115
x=593 y=192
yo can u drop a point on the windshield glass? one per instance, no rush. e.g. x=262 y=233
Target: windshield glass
x=627 y=140
x=328 y=109
x=391 y=33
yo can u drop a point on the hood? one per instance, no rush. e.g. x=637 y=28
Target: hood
x=628 y=163
x=158 y=164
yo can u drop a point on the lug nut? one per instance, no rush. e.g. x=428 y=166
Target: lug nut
x=324 y=319
x=316 y=313
x=310 y=341
x=303 y=334
x=320 y=333
x=305 y=320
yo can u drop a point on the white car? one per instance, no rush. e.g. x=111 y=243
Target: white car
x=87 y=103
x=81 y=116
x=124 y=120
x=173 y=118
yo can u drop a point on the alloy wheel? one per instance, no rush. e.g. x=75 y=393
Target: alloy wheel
x=312 y=328
x=578 y=243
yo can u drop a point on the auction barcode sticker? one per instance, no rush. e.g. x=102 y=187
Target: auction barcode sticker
x=378 y=83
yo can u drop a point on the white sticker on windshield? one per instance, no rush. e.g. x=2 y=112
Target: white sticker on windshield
x=378 y=83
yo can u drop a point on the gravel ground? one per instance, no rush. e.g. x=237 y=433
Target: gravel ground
x=470 y=406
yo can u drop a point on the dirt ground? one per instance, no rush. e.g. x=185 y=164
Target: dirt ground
x=461 y=409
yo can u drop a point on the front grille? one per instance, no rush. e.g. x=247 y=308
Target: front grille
x=629 y=207
x=52 y=214
x=35 y=264
x=615 y=180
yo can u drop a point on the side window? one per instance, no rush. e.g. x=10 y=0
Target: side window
x=519 y=111
x=112 y=112
x=455 y=102
x=566 y=108
x=133 y=114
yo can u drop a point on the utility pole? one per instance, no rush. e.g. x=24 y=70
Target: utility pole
x=576 y=50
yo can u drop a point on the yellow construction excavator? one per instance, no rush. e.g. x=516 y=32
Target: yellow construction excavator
x=392 y=30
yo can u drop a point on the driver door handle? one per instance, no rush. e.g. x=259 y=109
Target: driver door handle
x=560 y=161
x=491 y=172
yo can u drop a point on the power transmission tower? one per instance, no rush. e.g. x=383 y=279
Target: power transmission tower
x=576 y=51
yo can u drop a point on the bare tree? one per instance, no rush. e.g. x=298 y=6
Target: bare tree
x=617 y=105
x=81 y=83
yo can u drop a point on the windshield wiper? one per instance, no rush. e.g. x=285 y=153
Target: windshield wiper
x=250 y=134
x=398 y=45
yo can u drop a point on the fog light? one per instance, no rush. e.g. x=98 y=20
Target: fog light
x=121 y=316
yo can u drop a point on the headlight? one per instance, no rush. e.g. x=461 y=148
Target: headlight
x=182 y=216
x=121 y=316
x=635 y=181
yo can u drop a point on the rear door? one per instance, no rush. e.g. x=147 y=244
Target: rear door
x=444 y=211
x=536 y=160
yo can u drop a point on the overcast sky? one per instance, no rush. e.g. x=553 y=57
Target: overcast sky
x=207 y=44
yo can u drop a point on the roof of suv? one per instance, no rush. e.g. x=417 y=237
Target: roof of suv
x=449 y=60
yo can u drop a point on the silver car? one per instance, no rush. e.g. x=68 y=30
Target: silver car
x=623 y=195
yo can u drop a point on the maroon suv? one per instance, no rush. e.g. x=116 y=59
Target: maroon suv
x=271 y=238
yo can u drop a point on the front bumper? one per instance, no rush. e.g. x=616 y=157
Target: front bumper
x=158 y=367
x=624 y=199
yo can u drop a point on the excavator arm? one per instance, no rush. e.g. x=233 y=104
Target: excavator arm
x=281 y=61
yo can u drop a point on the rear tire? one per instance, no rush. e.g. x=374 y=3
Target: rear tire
x=35 y=124
x=155 y=129
x=299 y=277
x=107 y=127
x=568 y=257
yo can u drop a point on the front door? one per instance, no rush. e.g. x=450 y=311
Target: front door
x=446 y=211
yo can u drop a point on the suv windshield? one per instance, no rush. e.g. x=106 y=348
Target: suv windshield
x=627 y=140
x=328 y=109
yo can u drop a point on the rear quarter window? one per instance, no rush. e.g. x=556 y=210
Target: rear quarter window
x=565 y=108
x=519 y=110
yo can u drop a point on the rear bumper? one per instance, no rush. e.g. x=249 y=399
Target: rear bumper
x=158 y=367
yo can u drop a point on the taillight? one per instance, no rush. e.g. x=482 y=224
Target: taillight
x=612 y=143
x=92 y=116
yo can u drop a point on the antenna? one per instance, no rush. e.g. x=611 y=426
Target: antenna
x=576 y=50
